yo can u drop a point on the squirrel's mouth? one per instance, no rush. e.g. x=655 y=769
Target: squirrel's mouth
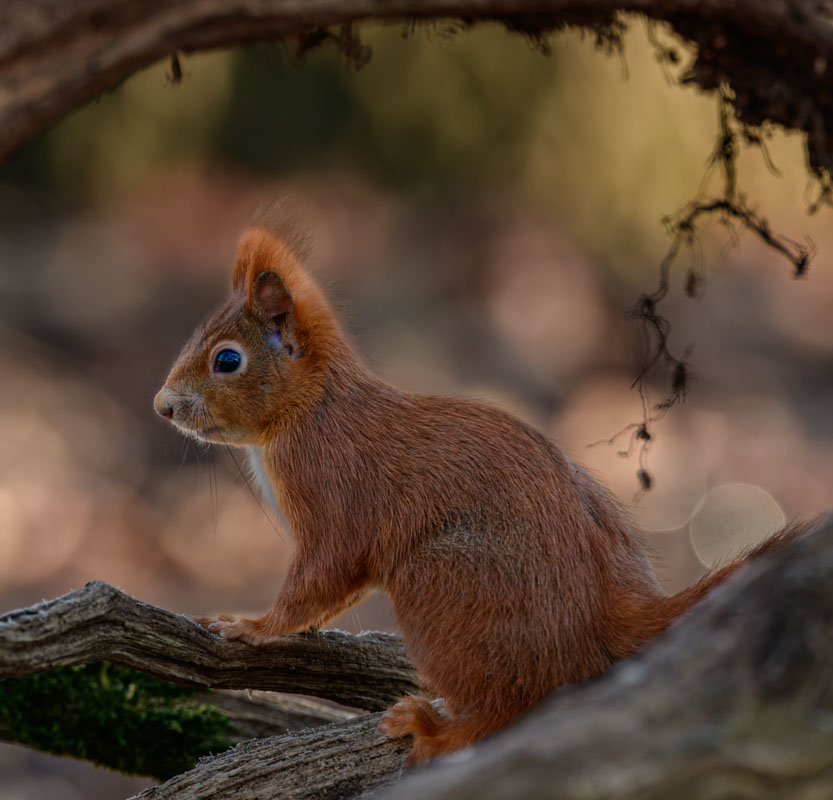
x=200 y=430
x=210 y=432
x=188 y=413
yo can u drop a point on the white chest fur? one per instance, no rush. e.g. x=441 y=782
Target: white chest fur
x=259 y=476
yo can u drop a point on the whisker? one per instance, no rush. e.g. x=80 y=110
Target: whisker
x=186 y=440
x=203 y=423
x=196 y=466
x=213 y=493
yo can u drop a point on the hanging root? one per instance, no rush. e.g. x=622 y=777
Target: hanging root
x=731 y=208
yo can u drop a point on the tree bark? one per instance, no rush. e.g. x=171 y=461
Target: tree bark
x=255 y=715
x=99 y=623
x=776 y=54
x=345 y=760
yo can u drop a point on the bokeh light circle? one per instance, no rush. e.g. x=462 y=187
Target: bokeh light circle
x=731 y=519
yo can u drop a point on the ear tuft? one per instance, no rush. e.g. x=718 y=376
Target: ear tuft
x=272 y=298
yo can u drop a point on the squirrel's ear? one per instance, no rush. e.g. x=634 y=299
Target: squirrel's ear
x=271 y=297
x=253 y=274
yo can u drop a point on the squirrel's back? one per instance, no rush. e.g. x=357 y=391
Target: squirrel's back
x=465 y=491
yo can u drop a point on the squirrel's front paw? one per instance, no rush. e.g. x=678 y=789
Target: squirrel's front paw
x=239 y=629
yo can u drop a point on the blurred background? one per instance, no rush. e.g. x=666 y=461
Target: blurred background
x=484 y=216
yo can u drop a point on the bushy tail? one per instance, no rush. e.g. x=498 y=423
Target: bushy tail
x=682 y=601
x=664 y=610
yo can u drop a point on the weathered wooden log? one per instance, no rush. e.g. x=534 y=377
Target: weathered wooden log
x=256 y=715
x=343 y=760
x=101 y=623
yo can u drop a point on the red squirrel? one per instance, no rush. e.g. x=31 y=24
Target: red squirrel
x=510 y=570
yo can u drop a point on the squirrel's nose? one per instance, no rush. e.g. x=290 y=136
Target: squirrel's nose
x=162 y=404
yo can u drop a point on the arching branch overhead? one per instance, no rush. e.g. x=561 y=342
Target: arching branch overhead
x=776 y=54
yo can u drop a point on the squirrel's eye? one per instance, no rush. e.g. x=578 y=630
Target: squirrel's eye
x=227 y=360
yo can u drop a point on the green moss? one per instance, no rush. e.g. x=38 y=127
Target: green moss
x=113 y=716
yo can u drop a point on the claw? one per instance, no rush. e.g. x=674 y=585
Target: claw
x=233 y=628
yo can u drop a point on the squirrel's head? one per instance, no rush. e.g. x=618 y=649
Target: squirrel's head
x=258 y=361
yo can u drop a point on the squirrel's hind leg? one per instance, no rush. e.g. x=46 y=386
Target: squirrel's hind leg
x=434 y=734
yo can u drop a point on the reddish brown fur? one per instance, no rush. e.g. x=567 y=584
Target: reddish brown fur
x=510 y=570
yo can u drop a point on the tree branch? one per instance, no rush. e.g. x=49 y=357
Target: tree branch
x=100 y=622
x=345 y=760
x=54 y=57
x=255 y=715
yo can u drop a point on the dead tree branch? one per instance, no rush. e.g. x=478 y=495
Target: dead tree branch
x=255 y=715
x=100 y=622
x=345 y=760
x=53 y=57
